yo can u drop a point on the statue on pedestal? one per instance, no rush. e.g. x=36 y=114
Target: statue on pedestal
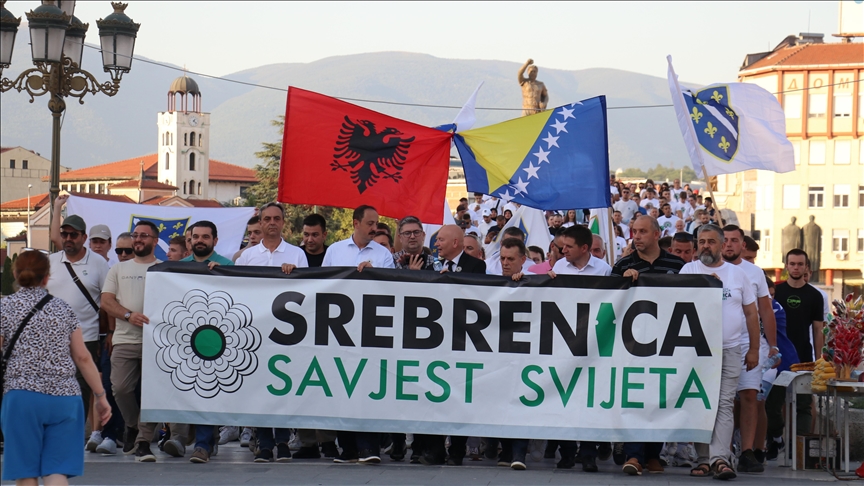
x=791 y=237
x=534 y=94
x=813 y=246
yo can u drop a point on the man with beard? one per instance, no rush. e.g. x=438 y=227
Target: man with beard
x=123 y=299
x=804 y=306
x=752 y=419
x=314 y=236
x=77 y=275
x=412 y=255
x=204 y=239
x=739 y=316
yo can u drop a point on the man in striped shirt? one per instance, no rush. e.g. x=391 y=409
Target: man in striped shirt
x=648 y=258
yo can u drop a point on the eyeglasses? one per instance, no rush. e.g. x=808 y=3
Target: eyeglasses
x=70 y=234
x=44 y=252
x=409 y=234
x=121 y=251
x=140 y=236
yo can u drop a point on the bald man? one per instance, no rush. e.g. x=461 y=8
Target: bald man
x=451 y=248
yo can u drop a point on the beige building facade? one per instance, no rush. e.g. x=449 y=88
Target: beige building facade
x=19 y=168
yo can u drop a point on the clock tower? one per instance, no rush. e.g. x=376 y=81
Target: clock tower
x=184 y=141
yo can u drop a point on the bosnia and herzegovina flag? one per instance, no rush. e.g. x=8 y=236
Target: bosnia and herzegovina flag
x=557 y=159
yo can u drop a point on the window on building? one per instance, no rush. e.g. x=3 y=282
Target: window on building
x=842 y=152
x=817 y=152
x=199 y=188
x=64 y=187
x=841 y=195
x=840 y=240
x=200 y=140
x=791 y=196
x=818 y=104
x=243 y=190
x=184 y=187
x=11 y=163
x=192 y=139
x=816 y=197
x=861 y=241
x=842 y=105
x=101 y=188
x=861 y=196
x=796 y=151
x=192 y=186
x=792 y=106
x=192 y=161
x=91 y=189
x=766 y=240
x=167 y=161
x=24 y=165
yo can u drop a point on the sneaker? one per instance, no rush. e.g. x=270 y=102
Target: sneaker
x=397 y=451
x=536 y=449
x=143 y=454
x=589 y=464
x=108 y=446
x=747 y=463
x=283 y=453
x=94 y=441
x=346 y=458
x=129 y=440
x=618 y=453
x=474 y=453
x=654 y=466
x=264 y=455
x=367 y=457
x=199 y=456
x=632 y=467
x=294 y=444
x=174 y=447
x=774 y=448
x=566 y=462
x=760 y=456
x=245 y=437
x=308 y=452
x=329 y=449
x=518 y=466
x=228 y=434
x=604 y=451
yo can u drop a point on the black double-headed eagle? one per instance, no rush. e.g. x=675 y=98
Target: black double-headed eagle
x=369 y=155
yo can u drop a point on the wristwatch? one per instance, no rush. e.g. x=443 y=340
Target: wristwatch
x=126 y=316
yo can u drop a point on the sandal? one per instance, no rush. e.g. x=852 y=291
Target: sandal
x=723 y=471
x=701 y=471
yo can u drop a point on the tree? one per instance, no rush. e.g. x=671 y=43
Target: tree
x=660 y=173
x=7 y=279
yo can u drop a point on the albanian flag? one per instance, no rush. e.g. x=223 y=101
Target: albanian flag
x=338 y=154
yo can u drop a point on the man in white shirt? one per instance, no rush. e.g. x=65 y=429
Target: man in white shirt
x=360 y=250
x=618 y=219
x=676 y=188
x=486 y=222
x=273 y=251
x=650 y=198
x=740 y=318
x=576 y=244
x=667 y=221
x=627 y=206
x=493 y=259
x=76 y=263
x=753 y=419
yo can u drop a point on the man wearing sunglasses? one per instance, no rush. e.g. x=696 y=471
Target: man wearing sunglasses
x=77 y=276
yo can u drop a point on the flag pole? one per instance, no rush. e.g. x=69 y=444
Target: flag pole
x=610 y=247
x=711 y=192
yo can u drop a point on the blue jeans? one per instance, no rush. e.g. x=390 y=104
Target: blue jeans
x=514 y=449
x=268 y=438
x=643 y=451
x=114 y=428
x=204 y=437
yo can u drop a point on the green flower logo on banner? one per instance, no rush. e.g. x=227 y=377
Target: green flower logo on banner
x=207 y=343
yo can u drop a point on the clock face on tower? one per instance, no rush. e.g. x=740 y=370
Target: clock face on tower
x=193 y=121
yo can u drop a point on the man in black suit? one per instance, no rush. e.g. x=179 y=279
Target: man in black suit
x=451 y=250
x=454 y=259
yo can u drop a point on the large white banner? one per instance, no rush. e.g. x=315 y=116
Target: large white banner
x=584 y=358
x=171 y=221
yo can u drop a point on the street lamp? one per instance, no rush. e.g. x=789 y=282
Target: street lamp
x=29 y=186
x=57 y=43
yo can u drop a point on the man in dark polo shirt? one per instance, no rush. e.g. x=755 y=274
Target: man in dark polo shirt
x=648 y=258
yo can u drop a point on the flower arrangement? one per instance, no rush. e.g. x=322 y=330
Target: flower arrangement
x=843 y=336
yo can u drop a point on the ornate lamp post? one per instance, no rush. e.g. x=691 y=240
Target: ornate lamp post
x=57 y=44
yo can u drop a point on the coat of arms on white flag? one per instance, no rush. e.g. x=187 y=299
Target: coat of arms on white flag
x=171 y=220
x=731 y=127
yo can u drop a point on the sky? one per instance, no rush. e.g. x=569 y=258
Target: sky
x=707 y=40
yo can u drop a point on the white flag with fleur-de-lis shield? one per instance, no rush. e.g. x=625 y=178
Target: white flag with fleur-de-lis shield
x=731 y=127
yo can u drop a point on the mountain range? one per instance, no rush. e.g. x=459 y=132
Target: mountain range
x=104 y=129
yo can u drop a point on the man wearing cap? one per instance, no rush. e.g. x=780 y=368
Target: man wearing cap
x=486 y=222
x=77 y=277
x=100 y=243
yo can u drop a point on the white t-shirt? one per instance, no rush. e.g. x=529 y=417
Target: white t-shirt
x=126 y=281
x=620 y=244
x=654 y=202
x=667 y=225
x=346 y=253
x=737 y=293
x=627 y=208
x=757 y=282
x=91 y=270
x=260 y=256
x=595 y=266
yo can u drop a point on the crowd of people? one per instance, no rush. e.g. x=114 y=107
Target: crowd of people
x=96 y=316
